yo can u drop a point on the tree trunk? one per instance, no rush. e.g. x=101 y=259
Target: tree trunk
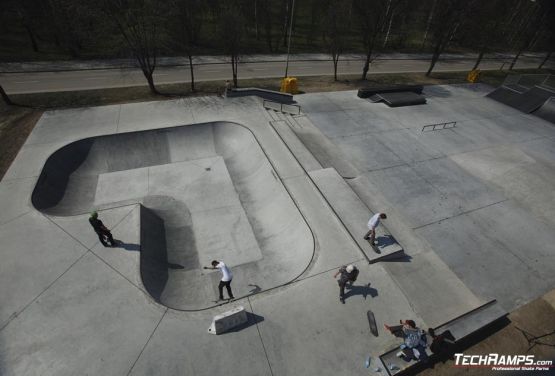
x=5 y=96
x=150 y=81
x=478 y=60
x=335 y=58
x=388 y=30
x=366 y=66
x=435 y=58
x=32 y=37
x=234 y=63
x=256 y=19
x=192 y=72
x=515 y=59
x=545 y=60
x=430 y=17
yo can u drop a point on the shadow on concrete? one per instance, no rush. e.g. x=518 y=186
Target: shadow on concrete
x=127 y=246
x=385 y=240
x=252 y=319
x=255 y=289
x=364 y=290
x=404 y=258
x=437 y=91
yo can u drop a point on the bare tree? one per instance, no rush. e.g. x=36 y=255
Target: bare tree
x=189 y=23
x=371 y=16
x=71 y=21
x=230 y=27
x=530 y=30
x=486 y=26
x=449 y=16
x=140 y=24
x=335 y=29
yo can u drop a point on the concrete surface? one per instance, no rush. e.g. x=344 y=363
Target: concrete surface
x=470 y=206
x=478 y=195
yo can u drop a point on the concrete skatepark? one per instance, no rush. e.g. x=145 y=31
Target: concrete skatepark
x=284 y=200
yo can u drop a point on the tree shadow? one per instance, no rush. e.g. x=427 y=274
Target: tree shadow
x=252 y=319
x=364 y=290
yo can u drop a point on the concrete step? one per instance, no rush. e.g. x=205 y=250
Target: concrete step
x=354 y=215
x=470 y=322
x=295 y=146
x=321 y=147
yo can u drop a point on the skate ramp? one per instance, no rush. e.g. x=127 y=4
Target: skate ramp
x=527 y=101
x=547 y=110
x=208 y=192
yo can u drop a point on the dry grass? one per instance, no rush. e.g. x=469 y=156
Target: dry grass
x=536 y=318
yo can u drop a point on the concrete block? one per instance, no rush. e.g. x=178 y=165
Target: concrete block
x=228 y=320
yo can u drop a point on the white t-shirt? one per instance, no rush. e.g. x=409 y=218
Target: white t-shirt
x=374 y=221
x=226 y=273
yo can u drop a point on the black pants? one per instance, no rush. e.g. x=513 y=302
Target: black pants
x=221 y=289
x=342 y=285
x=105 y=233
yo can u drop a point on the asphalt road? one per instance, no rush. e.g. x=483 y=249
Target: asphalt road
x=36 y=82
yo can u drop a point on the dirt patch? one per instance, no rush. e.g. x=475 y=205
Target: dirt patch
x=16 y=123
x=515 y=337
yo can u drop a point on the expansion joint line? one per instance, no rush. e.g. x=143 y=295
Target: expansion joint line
x=148 y=340
x=261 y=340
x=16 y=314
x=458 y=215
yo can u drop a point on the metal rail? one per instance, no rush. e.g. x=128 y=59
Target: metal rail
x=435 y=127
x=293 y=109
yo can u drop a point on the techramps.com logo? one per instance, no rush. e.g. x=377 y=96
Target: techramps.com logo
x=497 y=362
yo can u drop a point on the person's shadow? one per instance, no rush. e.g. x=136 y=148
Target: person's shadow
x=127 y=246
x=363 y=290
x=384 y=240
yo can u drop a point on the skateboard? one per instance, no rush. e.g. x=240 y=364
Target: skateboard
x=372 y=323
x=374 y=246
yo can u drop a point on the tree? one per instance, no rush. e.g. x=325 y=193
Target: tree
x=189 y=22
x=448 y=18
x=530 y=29
x=335 y=30
x=231 y=31
x=486 y=26
x=71 y=22
x=372 y=16
x=140 y=24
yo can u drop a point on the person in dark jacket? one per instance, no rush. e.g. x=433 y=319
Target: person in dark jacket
x=348 y=274
x=101 y=230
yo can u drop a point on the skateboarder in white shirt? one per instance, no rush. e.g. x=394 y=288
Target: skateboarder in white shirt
x=372 y=224
x=226 y=278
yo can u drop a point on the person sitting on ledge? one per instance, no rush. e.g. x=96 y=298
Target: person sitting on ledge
x=414 y=340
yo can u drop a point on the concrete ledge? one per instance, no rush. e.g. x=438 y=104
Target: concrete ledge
x=272 y=95
x=460 y=327
x=228 y=320
x=367 y=92
x=327 y=153
x=354 y=215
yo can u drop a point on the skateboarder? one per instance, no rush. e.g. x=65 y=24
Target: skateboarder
x=101 y=230
x=348 y=274
x=373 y=223
x=414 y=339
x=226 y=278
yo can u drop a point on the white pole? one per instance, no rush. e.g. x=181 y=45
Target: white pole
x=289 y=39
